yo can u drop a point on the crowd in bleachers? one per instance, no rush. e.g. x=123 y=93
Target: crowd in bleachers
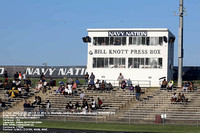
x=85 y=107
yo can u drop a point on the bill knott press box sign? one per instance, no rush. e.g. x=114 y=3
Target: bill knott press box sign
x=49 y=71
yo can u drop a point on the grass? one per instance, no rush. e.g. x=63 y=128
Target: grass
x=119 y=127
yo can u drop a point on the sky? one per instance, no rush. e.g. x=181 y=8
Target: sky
x=36 y=31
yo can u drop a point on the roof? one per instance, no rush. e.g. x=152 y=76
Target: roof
x=128 y=29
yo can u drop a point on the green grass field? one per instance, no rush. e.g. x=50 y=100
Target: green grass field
x=119 y=127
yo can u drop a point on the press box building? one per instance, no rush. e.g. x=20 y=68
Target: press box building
x=141 y=55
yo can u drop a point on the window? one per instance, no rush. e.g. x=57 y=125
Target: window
x=146 y=41
x=144 y=62
x=109 y=62
x=109 y=40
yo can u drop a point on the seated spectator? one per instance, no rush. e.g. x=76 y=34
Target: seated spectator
x=85 y=103
x=77 y=107
x=70 y=80
x=71 y=106
x=51 y=83
x=93 y=104
x=89 y=87
x=131 y=89
x=164 y=84
x=185 y=86
x=174 y=97
x=39 y=100
x=103 y=85
x=60 y=89
x=82 y=95
x=183 y=99
x=191 y=87
x=170 y=86
x=48 y=105
x=123 y=84
x=65 y=91
x=69 y=89
x=20 y=90
x=179 y=98
x=74 y=86
x=97 y=85
x=77 y=82
x=39 y=86
x=109 y=86
x=28 y=82
x=16 y=76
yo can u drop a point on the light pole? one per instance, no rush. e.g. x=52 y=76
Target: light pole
x=180 y=44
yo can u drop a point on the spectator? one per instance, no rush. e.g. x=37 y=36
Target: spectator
x=24 y=77
x=71 y=106
x=109 y=86
x=77 y=82
x=120 y=78
x=129 y=82
x=5 y=76
x=20 y=76
x=164 y=84
x=185 y=86
x=179 y=98
x=103 y=85
x=123 y=84
x=99 y=103
x=70 y=80
x=82 y=95
x=39 y=86
x=85 y=103
x=60 y=89
x=77 y=107
x=92 y=78
x=42 y=76
x=20 y=90
x=39 y=100
x=131 y=89
x=97 y=85
x=69 y=89
x=16 y=76
x=28 y=82
x=174 y=97
x=18 y=83
x=183 y=98
x=74 y=86
x=138 y=92
x=51 y=83
x=191 y=87
x=48 y=105
x=86 y=77
x=170 y=86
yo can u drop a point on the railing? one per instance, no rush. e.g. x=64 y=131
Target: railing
x=129 y=117
x=142 y=83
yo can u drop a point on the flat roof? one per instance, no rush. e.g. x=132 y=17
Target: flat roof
x=128 y=29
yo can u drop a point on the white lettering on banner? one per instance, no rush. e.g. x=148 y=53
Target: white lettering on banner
x=127 y=33
x=51 y=70
x=43 y=71
x=29 y=71
x=77 y=70
x=37 y=71
x=82 y=71
x=1 y=71
x=126 y=51
x=62 y=71
x=70 y=71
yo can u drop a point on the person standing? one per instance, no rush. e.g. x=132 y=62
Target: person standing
x=138 y=92
x=5 y=76
x=92 y=78
x=86 y=76
x=120 y=78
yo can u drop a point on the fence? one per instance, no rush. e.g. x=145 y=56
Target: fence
x=190 y=117
x=142 y=83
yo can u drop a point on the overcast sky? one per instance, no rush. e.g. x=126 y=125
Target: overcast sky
x=36 y=31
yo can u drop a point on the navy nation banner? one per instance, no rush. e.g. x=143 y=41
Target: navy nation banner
x=49 y=71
